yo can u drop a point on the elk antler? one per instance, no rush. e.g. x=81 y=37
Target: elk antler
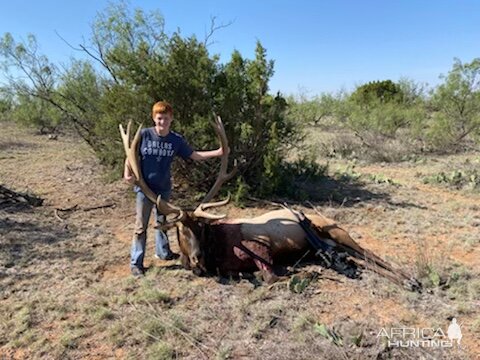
x=131 y=151
x=222 y=176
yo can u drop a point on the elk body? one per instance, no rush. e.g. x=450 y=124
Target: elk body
x=215 y=244
x=268 y=243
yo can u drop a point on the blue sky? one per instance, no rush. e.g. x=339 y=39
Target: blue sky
x=318 y=46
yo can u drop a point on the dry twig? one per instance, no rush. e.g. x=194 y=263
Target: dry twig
x=76 y=208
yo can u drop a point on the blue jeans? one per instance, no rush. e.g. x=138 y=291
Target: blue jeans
x=162 y=249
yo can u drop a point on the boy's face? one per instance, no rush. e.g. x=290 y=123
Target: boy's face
x=163 y=121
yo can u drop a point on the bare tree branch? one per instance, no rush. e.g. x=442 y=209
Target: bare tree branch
x=213 y=29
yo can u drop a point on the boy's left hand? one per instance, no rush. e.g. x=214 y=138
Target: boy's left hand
x=220 y=151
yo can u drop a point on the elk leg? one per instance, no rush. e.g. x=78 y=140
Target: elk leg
x=267 y=272
x=261 y=255
x=185 y=262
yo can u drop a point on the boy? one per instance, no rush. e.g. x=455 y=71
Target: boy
x=158 y=147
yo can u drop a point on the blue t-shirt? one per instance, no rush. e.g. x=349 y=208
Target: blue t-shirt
x=156 y=156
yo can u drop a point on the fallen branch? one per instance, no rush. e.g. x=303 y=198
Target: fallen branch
x=71 y=208
x=77 y=208
x=57 y=216
x=9 y=196
x=110 y=205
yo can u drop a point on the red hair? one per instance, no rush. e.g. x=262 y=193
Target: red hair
x=162 y=107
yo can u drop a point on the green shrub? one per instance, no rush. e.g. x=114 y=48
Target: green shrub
x=347 y=174
x=6 y=104
x=456 y=103
x=33 y=112
x=459 y=179
x=381 y=179
x=385 y=91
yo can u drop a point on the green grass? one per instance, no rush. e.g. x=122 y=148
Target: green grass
x=71 y=339
x=154 y=329
x=160 y=350
x=224 y=352
x=103 y=313
x=151 y=295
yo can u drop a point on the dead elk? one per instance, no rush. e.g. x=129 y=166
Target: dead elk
x=212 y=243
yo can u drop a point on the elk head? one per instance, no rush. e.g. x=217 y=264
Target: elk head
x=190 y=224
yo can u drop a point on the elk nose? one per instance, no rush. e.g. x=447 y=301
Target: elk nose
x=197 y=271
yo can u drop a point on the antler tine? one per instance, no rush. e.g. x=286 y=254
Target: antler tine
x=221 y=178
x=205 y=206
x=200 y=210
x=223 y=175
x=131 y=151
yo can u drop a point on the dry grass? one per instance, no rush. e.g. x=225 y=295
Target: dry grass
x=66 y=291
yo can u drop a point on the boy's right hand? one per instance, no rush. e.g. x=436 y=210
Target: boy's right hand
x=128 y=173
x=129 y=179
